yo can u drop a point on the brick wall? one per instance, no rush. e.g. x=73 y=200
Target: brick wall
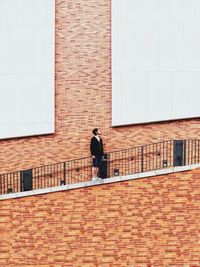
x=83 y=95
x=146 y=222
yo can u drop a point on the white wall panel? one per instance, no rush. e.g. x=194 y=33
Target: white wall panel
x=158 y=96
x=157 y=11
x=27 y=30
x=131 y=101
x=171 y=47
x=155 y=60
x=184 y=91
x=146 y=56
x=191 y=48
x=183 y=11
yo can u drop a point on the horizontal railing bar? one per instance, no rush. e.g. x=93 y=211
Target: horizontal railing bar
x=112 y=152
x=130 y=160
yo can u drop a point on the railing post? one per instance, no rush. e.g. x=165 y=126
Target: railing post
x=184 y=152
x=108 y=165
x=179 y=153
x=142 y=158
x=26 y=180
x=64 y=172
x=21 y=181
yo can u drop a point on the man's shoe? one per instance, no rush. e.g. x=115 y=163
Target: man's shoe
x=98 y=178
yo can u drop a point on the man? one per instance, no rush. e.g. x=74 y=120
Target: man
x=96 y=148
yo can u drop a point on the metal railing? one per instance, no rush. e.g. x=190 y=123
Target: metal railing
x=122 y=162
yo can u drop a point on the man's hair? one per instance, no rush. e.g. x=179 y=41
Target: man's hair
x=95 y=131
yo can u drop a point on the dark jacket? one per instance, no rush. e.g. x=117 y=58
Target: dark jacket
x=96 y=147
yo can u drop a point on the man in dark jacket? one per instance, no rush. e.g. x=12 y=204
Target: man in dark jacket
x=96 y=148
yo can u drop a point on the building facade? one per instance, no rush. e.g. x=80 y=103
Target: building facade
x=83 y=95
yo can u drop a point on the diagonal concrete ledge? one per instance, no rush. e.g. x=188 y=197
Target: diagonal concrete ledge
x=104 y=181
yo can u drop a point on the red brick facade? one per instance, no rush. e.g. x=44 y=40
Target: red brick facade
x=83 y=95
x=147 y=222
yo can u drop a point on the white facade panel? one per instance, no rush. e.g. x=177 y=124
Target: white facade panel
x=158 y=96
x=155 y=60
x=146 y=56
x=27 y=49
